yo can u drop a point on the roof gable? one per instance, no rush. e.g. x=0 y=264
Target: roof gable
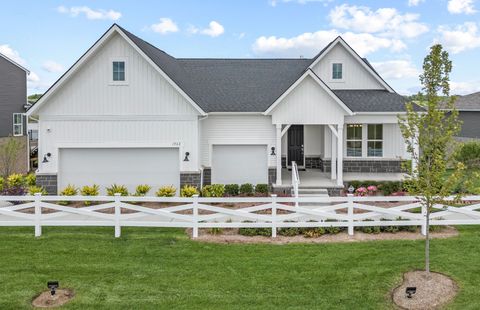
x=14 y=63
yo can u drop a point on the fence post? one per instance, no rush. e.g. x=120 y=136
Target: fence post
x=424 y=225
x=195 y=216
x=274 y=216
x=118 y=212
x=38 y=214
x=350 y=215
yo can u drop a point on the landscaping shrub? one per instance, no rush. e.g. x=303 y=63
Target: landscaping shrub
x=30 y=179
x=215 y=231
x=469 y=154
x=362 y=188
x=232 y=189
x=289 y=231
x=188 y=191
x=369 y=229
x=333 y=230
x=166 y=191
x=261 y=189
x=390 y=187
x=313 y=232
x=117 y=189
x=246 y=189
x=15 y=180
x=214 y=190
x=142 y=190
x=33 y=189
x=89 y=191
x=70 y=190
x=254 y=231
x=2 y=184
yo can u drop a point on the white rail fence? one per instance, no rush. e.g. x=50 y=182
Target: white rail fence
x=195 y=213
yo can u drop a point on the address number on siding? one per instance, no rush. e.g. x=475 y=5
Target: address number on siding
x=176 y=144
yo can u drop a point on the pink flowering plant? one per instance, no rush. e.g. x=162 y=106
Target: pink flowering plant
x=372 y=189
x=361 y=191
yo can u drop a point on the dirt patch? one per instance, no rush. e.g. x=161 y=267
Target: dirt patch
x=46 y=300
x=232 y=236
x=432 y=292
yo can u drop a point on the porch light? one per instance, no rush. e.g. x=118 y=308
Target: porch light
x=410 y=291
x=52 y=286
x=273 y=151
x=351 y=189
x=45 y=157
x=186 y=156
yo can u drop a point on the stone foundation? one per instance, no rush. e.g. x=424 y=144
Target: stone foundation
x=190 y=178
x=381 y=166
x=49 y=182
x=313 y=162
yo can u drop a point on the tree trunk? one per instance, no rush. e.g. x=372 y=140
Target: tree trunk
x=427 y=240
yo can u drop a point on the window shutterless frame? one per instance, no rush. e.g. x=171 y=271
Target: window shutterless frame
x=17 y=124
x=118 y=71
x=374 y=140
x=337 y=71
x=354 y=140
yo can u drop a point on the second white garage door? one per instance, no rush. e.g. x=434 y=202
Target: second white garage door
x=238 y=164
x=124 y=166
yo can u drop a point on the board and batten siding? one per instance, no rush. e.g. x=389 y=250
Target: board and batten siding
x=236 y=130
x=355 y=76
x=313 y=140
x=308 y=103
x=88 y=110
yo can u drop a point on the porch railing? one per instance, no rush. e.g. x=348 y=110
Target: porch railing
x=295 y=180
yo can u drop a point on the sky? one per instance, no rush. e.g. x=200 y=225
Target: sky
x=47 y=37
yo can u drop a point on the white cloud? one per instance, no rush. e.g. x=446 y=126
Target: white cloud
x=166 y=25
x=52 y=66
x=214 y=29
x=6 y=50
x=461 y=7
x=384 y=21
x=308 y=44
x=414 y=2
x=396 y=69
x=33 y=77
x=464 y=88
x=89 y=13
x=460 y=38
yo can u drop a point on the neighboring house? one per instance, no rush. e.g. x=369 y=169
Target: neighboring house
x=468 y=107
x=13 y=101
x=128 y=113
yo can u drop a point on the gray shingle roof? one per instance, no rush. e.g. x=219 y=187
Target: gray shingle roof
x=468 y=102
x=252 y=85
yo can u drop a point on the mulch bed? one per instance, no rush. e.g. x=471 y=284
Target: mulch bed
x=433 y=291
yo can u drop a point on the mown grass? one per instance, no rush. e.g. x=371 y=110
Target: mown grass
x=162 y=269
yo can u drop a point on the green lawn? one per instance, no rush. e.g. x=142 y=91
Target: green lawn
x=163 y=269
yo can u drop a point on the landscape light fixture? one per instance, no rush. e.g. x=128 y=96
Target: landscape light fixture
x=410 y=291
x=45 y=157
x=186 y=156
x=52 y=286
x=273 y=151
x=351 y=189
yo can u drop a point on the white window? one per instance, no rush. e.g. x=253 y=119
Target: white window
x=354 y=140
x=337 y=71
x=118 y=71
x=375 y=140
x=17 y=124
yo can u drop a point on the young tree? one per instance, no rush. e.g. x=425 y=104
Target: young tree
x=429 y=136
x=8 y=156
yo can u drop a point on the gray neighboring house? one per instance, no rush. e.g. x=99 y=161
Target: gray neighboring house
x=468 y=107
x=13 y=97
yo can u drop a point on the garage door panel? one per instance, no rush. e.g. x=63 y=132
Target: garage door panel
x=126 y=166
x=237 y=164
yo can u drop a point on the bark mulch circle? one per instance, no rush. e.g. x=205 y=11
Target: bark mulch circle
x=46 y=300
x=432 y=292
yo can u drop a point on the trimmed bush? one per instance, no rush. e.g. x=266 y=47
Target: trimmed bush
x=214 y=190
x=469 y=154
x=232 y=189
x=254 y=231
x=89 y=191
x=166 y=191
x=142 y=190
x=15 y=180
x=117 y=189
x=70 y=190
x=2 y=184
x=289 y=231
x=188 y=191
x=313 y=232
x=261 y=189
x=33 y=189
x=246 y=189
x=31 y=179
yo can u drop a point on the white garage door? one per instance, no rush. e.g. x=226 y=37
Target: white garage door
x=123 y=166
x=237 y=164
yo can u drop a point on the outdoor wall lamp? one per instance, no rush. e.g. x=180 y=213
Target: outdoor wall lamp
x=45 y=157
x=273 y=151
x=186 y=156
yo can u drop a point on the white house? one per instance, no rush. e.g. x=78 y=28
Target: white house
x=128 y=113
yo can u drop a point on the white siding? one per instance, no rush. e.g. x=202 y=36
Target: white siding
x=88 y=92
x=308 y=103
x=236 y=129
x=355 y=76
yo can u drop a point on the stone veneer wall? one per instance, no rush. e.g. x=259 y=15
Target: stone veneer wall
x=382 y=166
x=190 y=178
x=311 y=162
x=49 y=182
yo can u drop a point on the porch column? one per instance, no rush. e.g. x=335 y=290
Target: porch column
x=333 y=156
x=278 y=148
x=340 y=155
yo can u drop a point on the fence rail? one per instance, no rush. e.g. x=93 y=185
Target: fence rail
x=199 y=212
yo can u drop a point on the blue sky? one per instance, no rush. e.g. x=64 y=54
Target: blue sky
x=47 y=37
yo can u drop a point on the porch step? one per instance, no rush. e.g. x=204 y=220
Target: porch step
x=312 y=192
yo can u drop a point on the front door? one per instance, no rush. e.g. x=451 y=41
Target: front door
x=295 y=145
